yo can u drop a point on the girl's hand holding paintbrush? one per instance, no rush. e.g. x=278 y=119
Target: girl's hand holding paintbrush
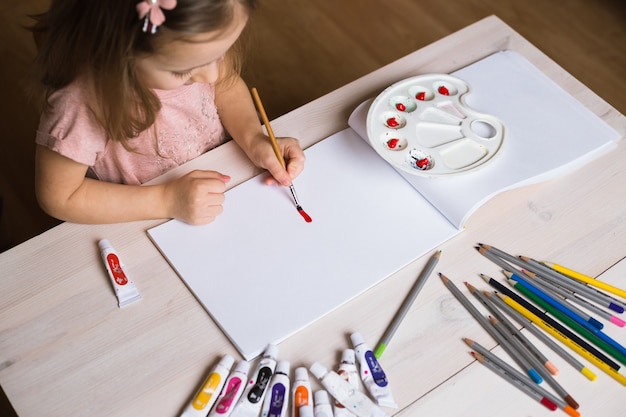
x=264 y=157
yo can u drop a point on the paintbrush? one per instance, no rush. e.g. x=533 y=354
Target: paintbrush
x=279 y=155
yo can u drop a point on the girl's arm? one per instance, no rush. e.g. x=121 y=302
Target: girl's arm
x=65 y=193
x=240 y=119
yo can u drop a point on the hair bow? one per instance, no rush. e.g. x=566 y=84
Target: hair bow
x=151 y=11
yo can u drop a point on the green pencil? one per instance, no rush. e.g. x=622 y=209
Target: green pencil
x=570 y=323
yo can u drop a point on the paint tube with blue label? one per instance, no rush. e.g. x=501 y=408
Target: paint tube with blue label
x=249 y=405
x=372 y=373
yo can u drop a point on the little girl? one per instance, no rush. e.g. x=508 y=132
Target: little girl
x=134 y=88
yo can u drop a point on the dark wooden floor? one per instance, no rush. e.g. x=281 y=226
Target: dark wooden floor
x=304 y=49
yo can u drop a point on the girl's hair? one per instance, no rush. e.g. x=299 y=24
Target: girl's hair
x=98 y=41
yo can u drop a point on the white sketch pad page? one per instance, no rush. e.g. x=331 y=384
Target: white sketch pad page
x=263 y=273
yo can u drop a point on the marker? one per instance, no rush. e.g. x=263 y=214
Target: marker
x=125 y=288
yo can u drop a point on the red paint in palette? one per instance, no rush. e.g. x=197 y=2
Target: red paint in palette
x=443 y=90
x=392 y=122
x=422 y=163
x=400 y=107
x=392 y=143
x=421 y=96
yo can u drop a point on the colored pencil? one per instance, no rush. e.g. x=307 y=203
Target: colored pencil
x=521 y=361
x=489 y=305
x=276 y=148
x=553 y=322
x=547 y=340
x=518 y=379
x=535 y=363
x=577 y=287
x=586 y=279
x=515 y=381
x=407 y=303
x=496 y=255
x=563 y=338
x=596 y=337
x=568 y=295
x=559 y=305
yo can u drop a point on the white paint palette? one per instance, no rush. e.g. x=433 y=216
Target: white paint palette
x=422 y=126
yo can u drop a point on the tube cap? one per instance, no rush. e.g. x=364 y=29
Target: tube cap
x=227 y=361
x=348 y=356
x=318 y=370
x=271 y=351
x=104 y=244
x=321 y=397
x=357 y=339
x=306 y=411
x=302 y=374
x=283 y=367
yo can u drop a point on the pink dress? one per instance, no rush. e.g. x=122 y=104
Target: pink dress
x=187 y=126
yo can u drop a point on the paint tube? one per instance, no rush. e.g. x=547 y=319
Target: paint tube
x=348 y=371
x=354 y=400
x=276 y=403
x=233 y=388
x=307 y=411
x=249 y=405
x=322 y=406
x=125 y=288
x=301 y=397
x=372 y=373
x=208 y=392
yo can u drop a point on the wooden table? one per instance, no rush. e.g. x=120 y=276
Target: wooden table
x=67 y=349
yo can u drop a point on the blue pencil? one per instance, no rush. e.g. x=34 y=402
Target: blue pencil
x=566 y=311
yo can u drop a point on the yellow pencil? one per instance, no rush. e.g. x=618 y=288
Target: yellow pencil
x=586 y=279
x=563 y=338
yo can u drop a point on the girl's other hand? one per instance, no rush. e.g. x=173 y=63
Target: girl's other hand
x=197 y=197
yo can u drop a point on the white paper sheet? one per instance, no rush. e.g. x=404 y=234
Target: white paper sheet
x=263 y=273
